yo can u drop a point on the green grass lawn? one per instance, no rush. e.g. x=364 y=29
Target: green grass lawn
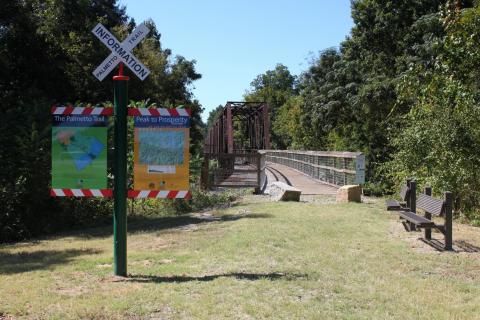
x=258 y=260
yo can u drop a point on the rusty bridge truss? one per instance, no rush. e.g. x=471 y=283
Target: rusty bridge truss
x=232 y=151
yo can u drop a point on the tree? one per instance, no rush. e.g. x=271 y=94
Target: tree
x=47 y=56
x=440 y=142
x=212 y=116
x=287 y=125
x=350 y=96
x=274 y=87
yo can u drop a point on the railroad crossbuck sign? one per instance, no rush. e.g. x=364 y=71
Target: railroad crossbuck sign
x=120 y=51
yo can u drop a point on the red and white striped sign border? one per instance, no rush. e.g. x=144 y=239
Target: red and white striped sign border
x=103 y=193
x=160 y=194
x=85 y=111
x=159 y=112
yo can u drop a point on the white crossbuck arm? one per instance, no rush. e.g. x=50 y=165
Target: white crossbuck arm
x=121 y=52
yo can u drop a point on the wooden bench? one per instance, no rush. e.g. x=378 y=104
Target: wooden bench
x=430 y=206
x=394 y=205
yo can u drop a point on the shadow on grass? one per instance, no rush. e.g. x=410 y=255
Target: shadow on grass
x=19 y=262
x=245 y=216
x=236 y=275
x=458 y=246
x=142 y=224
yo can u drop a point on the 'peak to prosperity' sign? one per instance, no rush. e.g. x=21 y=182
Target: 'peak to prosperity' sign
x=161 y=153
x=120 y=51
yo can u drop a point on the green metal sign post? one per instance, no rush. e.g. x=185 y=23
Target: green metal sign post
x=120 y=174
x=121 y=54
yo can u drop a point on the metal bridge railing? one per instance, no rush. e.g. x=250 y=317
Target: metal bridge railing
x=331 y=167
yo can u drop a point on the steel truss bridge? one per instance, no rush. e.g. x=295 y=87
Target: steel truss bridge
x=237 y=154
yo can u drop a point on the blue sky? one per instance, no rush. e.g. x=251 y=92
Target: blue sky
x=234 y=41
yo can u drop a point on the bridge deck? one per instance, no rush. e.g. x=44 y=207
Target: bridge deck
x=309 y=186
x=242 y=177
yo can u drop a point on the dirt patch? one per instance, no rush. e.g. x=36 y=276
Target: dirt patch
x=104 y=265
x=466 y=239
x=318 y=199
x=188 y=227
x=154 y=243
x=145 y=263
x=163 y=313
x=71 y=291
x=370 y=200
x=218 y=216
x=207 y=215
x=112 y=278
x=148 y=263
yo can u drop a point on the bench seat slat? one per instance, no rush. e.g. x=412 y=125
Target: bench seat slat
x=393 y=205
x=430 y=204
x=416 y=219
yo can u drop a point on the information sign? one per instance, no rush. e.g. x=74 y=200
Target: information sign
x=161 y=151
x=120 y=52
x=79 y=151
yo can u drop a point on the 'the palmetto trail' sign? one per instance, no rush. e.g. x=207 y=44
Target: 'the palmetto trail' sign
x=79 y=152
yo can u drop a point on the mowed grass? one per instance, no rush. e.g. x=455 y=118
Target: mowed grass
x=259 y=260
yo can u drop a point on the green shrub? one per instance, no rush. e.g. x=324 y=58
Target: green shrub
x=200 y=200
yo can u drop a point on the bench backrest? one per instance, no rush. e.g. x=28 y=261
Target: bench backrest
x=404 y=192
x=430 y=204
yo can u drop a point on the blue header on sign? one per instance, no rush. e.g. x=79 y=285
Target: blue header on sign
x=161 y=122
x=79 y=121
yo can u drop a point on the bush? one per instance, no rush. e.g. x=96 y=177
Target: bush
x=201 y=199
x=440 y=141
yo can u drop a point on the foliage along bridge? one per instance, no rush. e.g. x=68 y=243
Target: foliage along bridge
x=237 y=154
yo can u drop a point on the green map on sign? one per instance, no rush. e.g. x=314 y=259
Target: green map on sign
x=79 y=157
x=161 y=147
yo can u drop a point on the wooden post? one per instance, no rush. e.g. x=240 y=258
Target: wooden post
x=428 y=215
x=413 y=201
x=448 y=221
x=409 y=192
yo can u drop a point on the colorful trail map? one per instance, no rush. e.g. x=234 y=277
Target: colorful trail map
x=161 y=153
x=161 y=147
x=79 y=152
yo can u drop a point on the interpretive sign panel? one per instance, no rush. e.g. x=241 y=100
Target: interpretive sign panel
x=360 y=169
x=79 y=151
x=161 y=153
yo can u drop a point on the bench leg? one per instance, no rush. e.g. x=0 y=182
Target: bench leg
x=448 y=221
x=448 y=236
x=428 y=232
x=413 y=201
x=406 y=225
x=412 y=227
